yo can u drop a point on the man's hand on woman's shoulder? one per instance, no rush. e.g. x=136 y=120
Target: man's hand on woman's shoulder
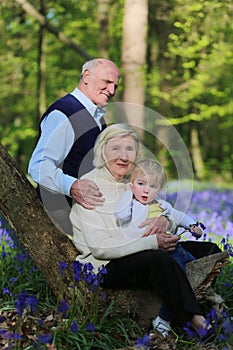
x=86 y=193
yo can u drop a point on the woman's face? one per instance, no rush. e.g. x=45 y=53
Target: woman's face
x=120 y=154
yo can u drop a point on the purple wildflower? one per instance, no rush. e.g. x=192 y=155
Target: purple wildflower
x=20 y=257
x=227 y=284
x=63 y=266
x=202 y=332
x=4 y=254
x=32 y=301
x=26 y=301
x=222 y=338
x=189 y=331
x=21 y=303
x=74 y=327
x=101 y=272
x=77 y=268
x=6 y=291
x=144 y=341
x=63 y=308
x=90 y=327
x=17 y=336
x=45 y=339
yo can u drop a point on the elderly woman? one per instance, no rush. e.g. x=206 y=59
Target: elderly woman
x=130 y=263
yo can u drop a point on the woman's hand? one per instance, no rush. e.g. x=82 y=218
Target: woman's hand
x=86 y=193
x=167 y=242
x=155 y=226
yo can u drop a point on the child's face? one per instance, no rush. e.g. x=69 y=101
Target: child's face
x=145 y=188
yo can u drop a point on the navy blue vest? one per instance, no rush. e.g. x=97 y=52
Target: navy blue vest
x=79 y=160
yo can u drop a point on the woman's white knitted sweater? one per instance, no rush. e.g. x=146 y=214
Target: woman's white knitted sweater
x=96 y=234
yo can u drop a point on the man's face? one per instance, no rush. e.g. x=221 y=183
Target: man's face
x=101 y=83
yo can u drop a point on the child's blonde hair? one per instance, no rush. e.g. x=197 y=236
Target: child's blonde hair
x=150 y=167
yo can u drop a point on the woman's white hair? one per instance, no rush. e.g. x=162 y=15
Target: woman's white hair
x=114 y=130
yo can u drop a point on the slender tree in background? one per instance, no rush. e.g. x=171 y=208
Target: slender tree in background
x=196 y=153
x=134 y=46
x=42 y=64
x=102 y=15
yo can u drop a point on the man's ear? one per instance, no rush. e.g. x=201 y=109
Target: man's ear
x=85 y=77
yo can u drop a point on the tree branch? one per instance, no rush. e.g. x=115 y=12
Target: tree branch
x=28 y=8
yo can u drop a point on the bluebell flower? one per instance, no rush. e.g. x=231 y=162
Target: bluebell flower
x=32 y=301
x=212 y=315
x=227 y=326
x=222 y=337
x=88 y=267
x=189 y=331
x=20 y=269
x=63 y=266
x=4 y=333
x=202 y=332
x=6 y=291
x=63 y=308
x=21 y=303
x=20 y=257
x=77 y=268
x=92 y=280
x=13 y=280
x=144 y=341
x=90 y=327
x=227 y=284
x=74 y=327
x=3 y=252
x=32 y=270
x=17 y=336
x=45 y=339
x=101 y=272
x=102 y=295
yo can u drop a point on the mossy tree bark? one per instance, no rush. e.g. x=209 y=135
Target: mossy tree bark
x=46 y=245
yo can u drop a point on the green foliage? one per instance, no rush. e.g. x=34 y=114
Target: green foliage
x=201 y=45
x=188 y=78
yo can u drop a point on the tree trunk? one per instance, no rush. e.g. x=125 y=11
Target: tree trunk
x=102 y=13
x=134 y=56
x=46 y=245
x=41 y=65
x=196 y=154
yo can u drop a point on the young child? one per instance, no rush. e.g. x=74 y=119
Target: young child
x=140 y=202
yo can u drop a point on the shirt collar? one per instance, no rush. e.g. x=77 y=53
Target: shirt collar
x=95 y=111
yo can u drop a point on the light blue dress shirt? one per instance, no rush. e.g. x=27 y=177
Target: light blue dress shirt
x=56 y=140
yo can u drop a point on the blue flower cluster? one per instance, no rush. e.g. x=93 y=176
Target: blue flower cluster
x=214 y=208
